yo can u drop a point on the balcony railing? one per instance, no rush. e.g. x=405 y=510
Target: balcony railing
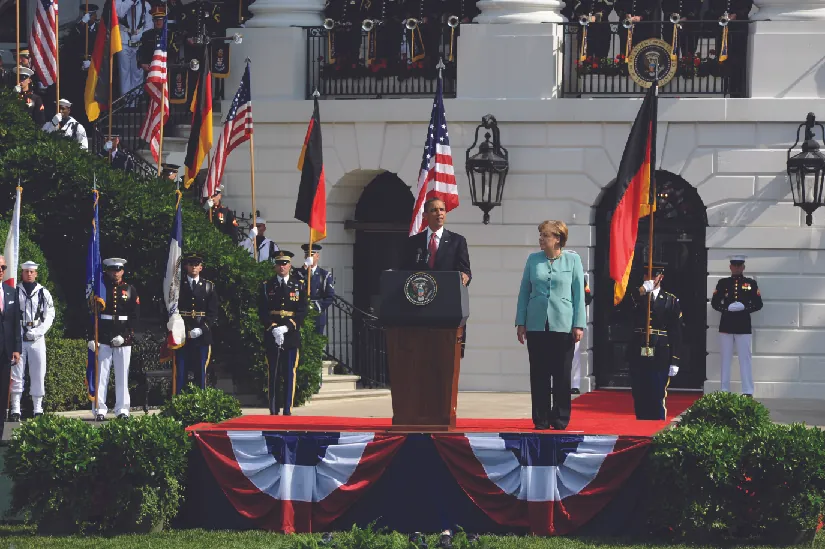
x=604 y=70
x=348 y=63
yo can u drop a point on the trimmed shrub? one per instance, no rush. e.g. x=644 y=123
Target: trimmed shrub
x=310 y=363
x=65 y=375
x=737 y=412
x=195 y=405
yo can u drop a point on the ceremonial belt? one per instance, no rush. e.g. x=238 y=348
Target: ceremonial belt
x=110 y=317
x=32 y=324
x=282 y=313
x=652 y=332
x=191 y=314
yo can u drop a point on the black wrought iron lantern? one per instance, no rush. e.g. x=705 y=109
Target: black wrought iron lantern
x=487 y=168
x=806 y=170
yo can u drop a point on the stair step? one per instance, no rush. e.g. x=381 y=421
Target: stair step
x=357 y=394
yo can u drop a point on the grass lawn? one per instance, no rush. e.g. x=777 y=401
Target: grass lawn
x=21 y=537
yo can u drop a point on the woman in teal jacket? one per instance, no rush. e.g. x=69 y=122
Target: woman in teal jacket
x=550 y=315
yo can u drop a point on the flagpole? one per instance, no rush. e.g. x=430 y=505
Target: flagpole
x=111 y=68
x=86 y=56
x=57 y=52
x=651 y=206
x=96 y=312
x=17 y=4
x=316 y=94
x=252 y=181
x=15 y=262
x=162 y=112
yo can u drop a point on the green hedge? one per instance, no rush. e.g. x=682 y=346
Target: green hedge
x=65 y=375
x=195 y=405
x=135 y=220
x=728 y=473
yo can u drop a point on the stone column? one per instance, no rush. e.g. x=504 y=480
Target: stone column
x=786 y=44
x=520 y=11
x=286 y=13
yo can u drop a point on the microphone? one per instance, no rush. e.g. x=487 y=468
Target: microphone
x=418 y=256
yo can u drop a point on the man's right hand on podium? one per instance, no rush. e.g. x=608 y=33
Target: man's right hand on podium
x=521 y=332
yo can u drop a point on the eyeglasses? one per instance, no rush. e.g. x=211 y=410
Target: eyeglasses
x=3 y=267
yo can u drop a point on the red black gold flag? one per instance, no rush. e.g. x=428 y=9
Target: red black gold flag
x=200 y=138
x=311 y=207
x=107 y=44
x=633 y=186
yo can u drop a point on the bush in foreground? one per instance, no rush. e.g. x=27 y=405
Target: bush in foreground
x=740 y=414
x=195 y=405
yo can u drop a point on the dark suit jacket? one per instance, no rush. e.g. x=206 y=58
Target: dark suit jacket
x=452 y=254
x=10 y=341
x=204 y=301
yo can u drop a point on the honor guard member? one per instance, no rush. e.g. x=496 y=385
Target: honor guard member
x=266 y=248
x=198 y=305
x=34 y=103
x=66 y=125
x=576 y=373
x=119 y=159
x=638 y=11
x=737 y=40
x=598 y=29
x=135 y=18
x=36 y=317
x=222 y=217
x=688 y=12
x=343 y=19
x=736 y=297
x=652 y=367
x=149 y=40
x=170 y=171
x=116 y=331
x=282 y=308
x=321 y=285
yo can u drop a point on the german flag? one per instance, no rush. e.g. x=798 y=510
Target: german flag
x=311 y=207
x=200 y=139
x=107 y=32
x=633 y=187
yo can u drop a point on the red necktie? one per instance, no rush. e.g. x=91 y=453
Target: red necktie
x=431 y=250
x=2 y=301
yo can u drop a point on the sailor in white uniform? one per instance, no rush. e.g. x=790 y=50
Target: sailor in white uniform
x=266 y=248
x=64 y=123
x=36 y=318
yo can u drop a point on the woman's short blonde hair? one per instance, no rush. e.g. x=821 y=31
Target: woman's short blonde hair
x=558 y=228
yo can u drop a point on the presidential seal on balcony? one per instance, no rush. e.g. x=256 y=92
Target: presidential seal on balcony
x=649 y=61
x=420 y=288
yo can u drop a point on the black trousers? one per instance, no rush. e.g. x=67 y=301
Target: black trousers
x=281 y=364
x=551 y=358
x=5 y=382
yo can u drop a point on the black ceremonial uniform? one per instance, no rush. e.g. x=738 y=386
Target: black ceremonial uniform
x=321 y=294
x=598 y=31
x=687 y=37
x=282 y=305
x=225 y=221
x=737 y=45
x=646 y=28
x=121 y=316
x=122 y=161
x=649 y=375
x=148 y=42
x=730 y=290
x=199 y=308
x=34 y=105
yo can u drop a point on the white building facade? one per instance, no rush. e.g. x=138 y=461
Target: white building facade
x=727 y=155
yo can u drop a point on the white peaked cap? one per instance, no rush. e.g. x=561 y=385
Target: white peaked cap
x=29 y=266
x=738 y=257
x=65 y=103
x=114 y=262
x=260 y=221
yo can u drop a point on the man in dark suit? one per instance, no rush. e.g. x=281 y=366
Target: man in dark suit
x=198 y=305
x=438 y=249
x=10 y=342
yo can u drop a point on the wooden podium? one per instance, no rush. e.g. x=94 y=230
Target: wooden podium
x=424 y=314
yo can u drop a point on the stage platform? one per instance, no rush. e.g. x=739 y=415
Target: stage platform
x=306 y=474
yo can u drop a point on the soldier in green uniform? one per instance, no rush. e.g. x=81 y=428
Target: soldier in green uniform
x=282 y=309
x=651 y=367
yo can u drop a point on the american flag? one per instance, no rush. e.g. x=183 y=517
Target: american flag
x=237 y=128
x=156 y=83
x=437 y=177
x=44 y=42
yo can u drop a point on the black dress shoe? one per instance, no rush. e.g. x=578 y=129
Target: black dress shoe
x=100 y=417
x=15 y=417
x=575 y=392
x=122 y=416
x=287 y=413
x=558 y=425
x=542 y=426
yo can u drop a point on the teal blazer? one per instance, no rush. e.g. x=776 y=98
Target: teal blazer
x=552 y=292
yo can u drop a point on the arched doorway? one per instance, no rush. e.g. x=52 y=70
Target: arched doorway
x=382 y=222
x=679 y=242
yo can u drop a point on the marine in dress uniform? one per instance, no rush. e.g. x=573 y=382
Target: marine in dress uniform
x=321 y=286
x=65 y=124
x=737 y=10
x=598 y=31
x=198 y=305
x=135 y=18
x=116 y=331
x=222 y=217
x=36 y=318
x=267 y=249
x=736 y=297
x=576 y=371
x=650 y=375
x=34 y=103
x=687 y=38
x=282 y=309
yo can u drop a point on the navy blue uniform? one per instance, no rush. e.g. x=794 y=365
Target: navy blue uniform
x=730 y=290
x=199 y=309
x=322 y=292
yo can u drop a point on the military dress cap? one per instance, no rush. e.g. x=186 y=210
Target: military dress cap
x=218 y=190
x=192 y=259
x=170 y=168
x=29 y=266
x=158 y=12
x=315 y=248
x=283 y=257
x=25 y=72
x=737 y=259
x=65 y=103
x=114 y=262
x=92 y=8
x=260 y=221
x=23 y=53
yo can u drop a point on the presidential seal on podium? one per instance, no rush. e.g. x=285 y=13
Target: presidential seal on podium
x=420 y=288
x=651 y=60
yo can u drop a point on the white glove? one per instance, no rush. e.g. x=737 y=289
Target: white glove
x=57 y=119
x=308 y=263
x=86 y=65
x=279 y=330
x=86 y=18
x=673 y=371
x=253 y=232
x=91 y=346
x=117 y=341
x=30 y=336
x=18 y=89
x=648 y=285
x=736 y=307
x=209 y=204
x=108 y=145
x=279 y=339
x=195 y=333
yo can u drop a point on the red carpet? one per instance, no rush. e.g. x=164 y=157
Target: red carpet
x=596 y=413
